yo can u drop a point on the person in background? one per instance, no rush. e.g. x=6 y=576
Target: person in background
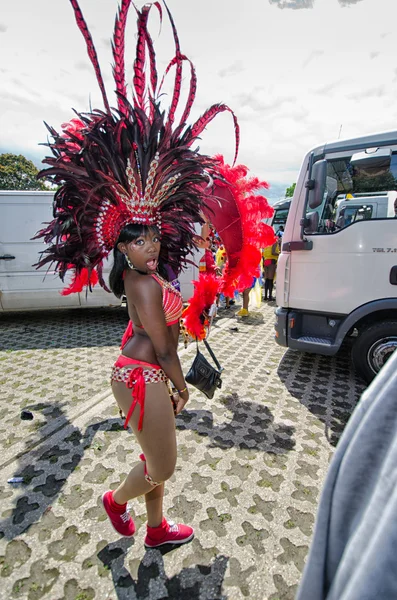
x=207 y=262
x=172 y=278
x=220 y=261
x=243 y=312
x=270 y=257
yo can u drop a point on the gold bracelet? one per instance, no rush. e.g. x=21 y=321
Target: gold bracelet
x=181 y=391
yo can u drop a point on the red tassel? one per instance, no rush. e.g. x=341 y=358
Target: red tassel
x=136 y=382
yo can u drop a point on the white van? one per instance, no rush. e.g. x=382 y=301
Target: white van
x=339 y=279
x=22 y=287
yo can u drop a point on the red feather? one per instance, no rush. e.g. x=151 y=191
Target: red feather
x=90 y=50
x=207 y=117
x=118 y=54
x=192 y=93
x=139 y=63
x=153 y=71
x=237 y=215
x=144 y=40
x=80 y=281
x=240 y=277
x=177 y=60
x=178 y=73
x=205 y=291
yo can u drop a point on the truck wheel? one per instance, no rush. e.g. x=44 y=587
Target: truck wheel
x=373 y=347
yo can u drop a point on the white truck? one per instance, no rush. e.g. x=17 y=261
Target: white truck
x=22 y=287
x=337 y=271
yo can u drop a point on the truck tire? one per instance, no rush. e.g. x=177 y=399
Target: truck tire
x=373 y=347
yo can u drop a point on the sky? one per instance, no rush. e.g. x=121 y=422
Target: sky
x=297 y=73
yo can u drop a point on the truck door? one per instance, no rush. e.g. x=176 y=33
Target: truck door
x=349 y=263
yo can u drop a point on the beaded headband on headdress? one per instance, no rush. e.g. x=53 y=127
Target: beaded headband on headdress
x=132 y=164
x=137 y=207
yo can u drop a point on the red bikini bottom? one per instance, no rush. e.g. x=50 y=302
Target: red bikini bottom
x=135 y=378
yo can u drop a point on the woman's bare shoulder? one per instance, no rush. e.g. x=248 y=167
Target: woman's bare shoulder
x=137 y=285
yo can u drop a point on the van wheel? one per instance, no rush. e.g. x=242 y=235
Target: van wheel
x=373 y=347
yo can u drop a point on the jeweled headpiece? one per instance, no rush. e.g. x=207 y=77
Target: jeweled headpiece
x=132 y=164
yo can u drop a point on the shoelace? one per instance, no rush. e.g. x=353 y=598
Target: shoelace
x=173 y=527
x=125 y=516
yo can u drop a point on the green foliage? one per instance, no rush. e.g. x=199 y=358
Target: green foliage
x=289 y=192
x=18 y=173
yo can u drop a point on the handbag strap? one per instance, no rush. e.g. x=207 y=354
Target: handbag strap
x=206 y=344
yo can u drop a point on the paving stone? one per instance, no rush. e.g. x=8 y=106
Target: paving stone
x=251 y=463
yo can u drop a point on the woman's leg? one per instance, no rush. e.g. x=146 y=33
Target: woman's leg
x=158 y=442
x=266 y=288
x=246 y=297
x=271 y=289
x=154 y=505
x=243 y=312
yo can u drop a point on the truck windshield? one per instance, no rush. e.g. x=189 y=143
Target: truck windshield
x=355 y=193
x=280 y=216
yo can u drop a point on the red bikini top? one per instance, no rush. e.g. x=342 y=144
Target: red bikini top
x=172 y=300
x=172 y=306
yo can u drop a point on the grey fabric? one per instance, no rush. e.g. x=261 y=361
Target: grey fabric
x=353 y=555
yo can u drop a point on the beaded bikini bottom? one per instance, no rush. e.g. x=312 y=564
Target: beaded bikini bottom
x=132 y=372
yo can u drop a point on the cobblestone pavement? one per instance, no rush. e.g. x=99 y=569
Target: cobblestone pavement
x=250 y=467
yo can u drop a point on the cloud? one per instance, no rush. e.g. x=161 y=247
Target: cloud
x=315 y=54
x=236 y=67
x=276 y=190
x=106 y=42
x=294 y=3
x=83 y=66
x=374 y=92
x=348 y=2
x=3 y=28
x=256 y=102
x=326 y=89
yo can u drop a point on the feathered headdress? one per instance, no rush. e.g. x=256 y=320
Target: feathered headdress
x=130 y=164
x=238 y=211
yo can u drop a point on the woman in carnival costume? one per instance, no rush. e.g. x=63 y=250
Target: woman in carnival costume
x=131 y=184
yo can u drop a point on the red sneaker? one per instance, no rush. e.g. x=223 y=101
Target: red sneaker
x=120 y=519
x=168 y=533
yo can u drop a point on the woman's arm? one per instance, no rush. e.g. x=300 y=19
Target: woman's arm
x=146 y=295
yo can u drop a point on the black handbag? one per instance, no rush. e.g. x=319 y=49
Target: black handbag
x=203 y=375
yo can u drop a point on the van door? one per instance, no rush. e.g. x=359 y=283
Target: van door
x=22 y=287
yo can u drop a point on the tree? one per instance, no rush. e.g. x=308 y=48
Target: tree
x=289 y=192
x=18 y=173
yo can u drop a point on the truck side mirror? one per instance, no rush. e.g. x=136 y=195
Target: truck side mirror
x=310 y=222
x=317 y=183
